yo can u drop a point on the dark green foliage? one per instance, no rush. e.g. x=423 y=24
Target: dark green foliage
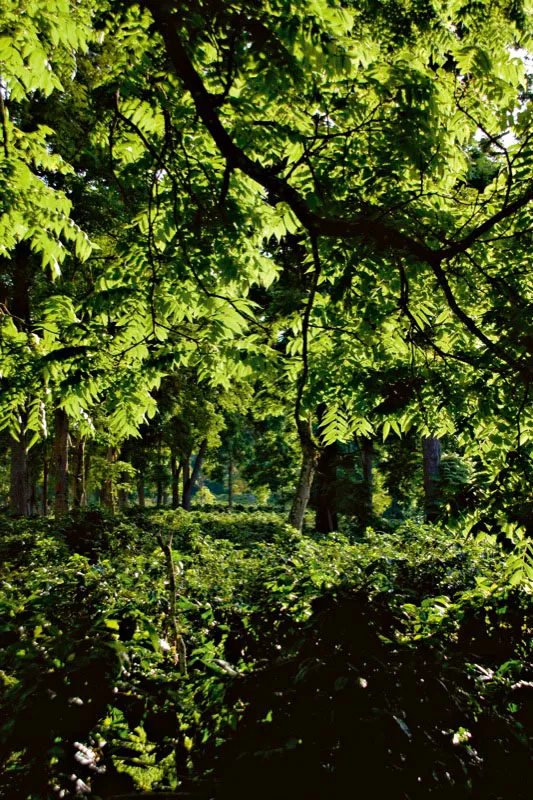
x=351 y=704
x=93 y=532
x=313 y=663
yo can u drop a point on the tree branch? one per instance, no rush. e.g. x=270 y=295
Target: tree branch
x=467 y=321
x=471 y=238
x=364 y=228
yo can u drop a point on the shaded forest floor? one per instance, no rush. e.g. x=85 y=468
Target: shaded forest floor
x=317 y=666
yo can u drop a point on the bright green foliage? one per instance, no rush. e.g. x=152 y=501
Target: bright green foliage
x=371 y=118
x=38 y=45
x=385 y=122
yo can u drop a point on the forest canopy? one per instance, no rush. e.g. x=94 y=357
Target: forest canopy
x=272 y=258
x=324 y=209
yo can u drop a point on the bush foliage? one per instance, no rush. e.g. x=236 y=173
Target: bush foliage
x=399 y=662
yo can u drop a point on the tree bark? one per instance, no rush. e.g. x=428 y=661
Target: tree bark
x=230 y=479
x=431 y=462
x=159 y=485
x=189 y=485
x=326 y=517
x=175 y=470
x=310 y=456
x=186 y=471
x=18 y=490
x=87 y=473
x=367 y=465
x=20 y=297
x=141 y=490
x=109 y=499
x=80 y=492
x=44 y=498
x=20 y=309
x=61 y=463
x=32 y=487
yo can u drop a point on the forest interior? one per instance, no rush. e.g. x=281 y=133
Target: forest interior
x=266 y=433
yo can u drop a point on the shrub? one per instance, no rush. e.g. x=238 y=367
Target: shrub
x=398 y=657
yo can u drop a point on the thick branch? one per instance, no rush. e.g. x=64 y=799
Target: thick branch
x=467 y=321
x=365 y=228
x=382 y=235
x=504 y=213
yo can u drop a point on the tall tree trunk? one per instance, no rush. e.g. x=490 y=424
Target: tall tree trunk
x=189 y=486
x=431 y=462
x=109 y=499
x=310 y=456
x=366 y=446
x=159 y=500
x=44 y=498
x=175 y=470
x=32 y=487
x=123 y=493
x=230 y=479
x=186 y=476
x=87 y=473
x=20 y=310
x=61 y=463
x=303 y=487
x=141 y=489
x=326 y=517
x=18 y=490
x=80 y=492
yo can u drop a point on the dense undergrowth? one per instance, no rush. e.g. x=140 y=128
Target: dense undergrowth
x=397 y=664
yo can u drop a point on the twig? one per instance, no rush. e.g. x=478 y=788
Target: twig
x=179 y=649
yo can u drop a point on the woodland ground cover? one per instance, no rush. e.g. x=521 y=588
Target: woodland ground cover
x=400 y=662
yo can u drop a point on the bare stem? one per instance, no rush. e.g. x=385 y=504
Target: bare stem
x=179 y=649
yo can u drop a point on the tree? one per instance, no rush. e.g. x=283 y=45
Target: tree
x=366 y=149
x=61 y=462
x=347 y=222
x=109 y=328
x=36 y=53
x=20 y=311
x=431 y=459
